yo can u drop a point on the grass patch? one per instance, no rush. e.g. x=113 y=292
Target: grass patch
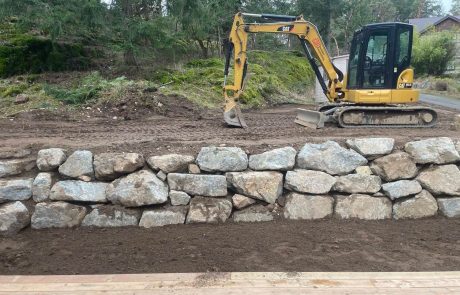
x=444 y=86
x=273 y=77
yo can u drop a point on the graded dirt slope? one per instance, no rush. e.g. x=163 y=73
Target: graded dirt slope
x=325 y=245
x=184 y=128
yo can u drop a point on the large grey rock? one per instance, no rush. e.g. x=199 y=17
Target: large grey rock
x=240 y=201
x=300 y=206
x=57 y=215
x=363 y=207
x=198 y=185
x=111 y=216
x=309 y=181
x=372 y=147
x=281 y=159
x=401 y=188
x=13 y=217
x=78 y=165
x=170 y=163
x=440 y=150
x=441 y=180
x=164 y=216
x=15 y=190
x=222 y=159
x=76 y=190
x=257 y=213
x=209 y=210
x=41 y=187
x=179 y=198
x=14 y=153
x=329 y=157
x=395 y=167
x=109 y=166
x=265 y=186
x=358 y=183
x=138 y=189
x=16 y=166
x=50 y=159
x=450 y=207
x=422 y=205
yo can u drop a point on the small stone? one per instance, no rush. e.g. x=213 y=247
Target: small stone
x=109 y=166
x=194 y=169
x=300 y=206
x=15 y=190
x=401 y=188
x=450 y=207
x=50 y=159
x=76 y=190
x=363 y=170
x=240 y=201
x=13 y=217
x=363 y=207
x=422 y=205
x=16 y=166
x=264 y=186
x=179 y=198
x=222 y=159
x=21 y=99
x=199 y=185
x=41 y=187
x=257 y=213
x=164 y=216
x=372 y=147
x=358 y=183
x=112 y=216
x=161 y=175
x=441 y=180
x=57 y=215
x=329 y=157
x=440 y=150
x=79 y=164
x=309 y=181
x=138 y=189
x=170 y=163
x=395 y=167
x=209 y=210
x=281 y=159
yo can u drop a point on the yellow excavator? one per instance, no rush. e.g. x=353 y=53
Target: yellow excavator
x=376 y=92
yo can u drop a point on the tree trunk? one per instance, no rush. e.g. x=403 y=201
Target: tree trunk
x=204 y=49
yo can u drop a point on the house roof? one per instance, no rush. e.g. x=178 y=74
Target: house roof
x=422 y=24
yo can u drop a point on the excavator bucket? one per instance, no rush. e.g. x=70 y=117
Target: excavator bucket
x=234 y=118
x=311 y=119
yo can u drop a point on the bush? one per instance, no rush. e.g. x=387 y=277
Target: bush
x=432 y=53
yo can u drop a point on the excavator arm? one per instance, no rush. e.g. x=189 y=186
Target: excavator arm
x=236 y=46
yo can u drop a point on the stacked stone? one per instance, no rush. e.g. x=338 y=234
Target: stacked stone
x=367 y=179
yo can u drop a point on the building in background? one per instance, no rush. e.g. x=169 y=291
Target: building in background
x=441 y=23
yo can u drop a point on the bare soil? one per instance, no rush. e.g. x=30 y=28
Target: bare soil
x=158 y=124
x=327 y=245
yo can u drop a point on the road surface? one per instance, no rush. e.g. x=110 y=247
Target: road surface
x=447 y=102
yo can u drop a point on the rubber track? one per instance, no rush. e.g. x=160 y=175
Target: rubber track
x=340 y=114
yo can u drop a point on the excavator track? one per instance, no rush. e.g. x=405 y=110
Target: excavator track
x=385 y=116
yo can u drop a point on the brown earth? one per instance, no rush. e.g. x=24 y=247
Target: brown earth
x=158 y=124
x=327 y=245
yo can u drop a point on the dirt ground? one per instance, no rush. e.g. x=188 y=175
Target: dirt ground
x=327 y=245
x=170 y=124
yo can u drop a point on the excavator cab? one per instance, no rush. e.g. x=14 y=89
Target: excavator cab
x=379 y=54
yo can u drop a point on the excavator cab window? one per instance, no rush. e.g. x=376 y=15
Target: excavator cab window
x=378 y=55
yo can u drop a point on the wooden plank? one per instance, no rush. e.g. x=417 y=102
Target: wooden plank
x=237 y=283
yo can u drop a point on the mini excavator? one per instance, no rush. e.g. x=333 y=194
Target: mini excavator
x=376 y=92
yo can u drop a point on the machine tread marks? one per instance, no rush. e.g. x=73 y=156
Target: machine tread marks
x=385 y=117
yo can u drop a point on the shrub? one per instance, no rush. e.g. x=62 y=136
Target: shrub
x=432 y=53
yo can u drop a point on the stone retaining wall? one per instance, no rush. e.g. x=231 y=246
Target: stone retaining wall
x=367 y=179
